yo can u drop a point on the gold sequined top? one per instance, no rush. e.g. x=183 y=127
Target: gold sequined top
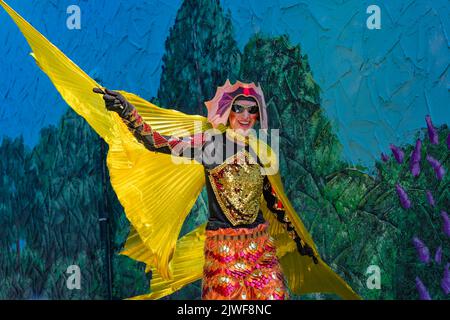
x=238 y=185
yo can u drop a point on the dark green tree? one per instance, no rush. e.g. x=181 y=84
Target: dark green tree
x=201 y=54
x=13 y=213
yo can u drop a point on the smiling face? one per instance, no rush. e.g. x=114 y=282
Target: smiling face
x=244 y=114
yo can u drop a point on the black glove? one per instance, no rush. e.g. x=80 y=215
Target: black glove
x=116 y=102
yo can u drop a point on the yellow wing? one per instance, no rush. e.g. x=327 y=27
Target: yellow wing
x=156 y=194
x=187 y=264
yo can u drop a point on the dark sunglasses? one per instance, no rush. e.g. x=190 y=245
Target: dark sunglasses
x=239 y=109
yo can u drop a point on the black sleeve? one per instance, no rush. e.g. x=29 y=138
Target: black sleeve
x=276 y=207
x=188 y=147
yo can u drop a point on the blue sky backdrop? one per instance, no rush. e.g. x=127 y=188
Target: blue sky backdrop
x=377 y=85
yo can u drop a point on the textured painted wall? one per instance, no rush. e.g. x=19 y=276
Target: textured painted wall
x=378 y=85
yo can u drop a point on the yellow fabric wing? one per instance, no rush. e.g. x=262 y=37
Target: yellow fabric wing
x=156 y=194
x=187 y=265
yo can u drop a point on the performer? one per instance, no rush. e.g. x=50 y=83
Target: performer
x=254 y=245
x=240 y=255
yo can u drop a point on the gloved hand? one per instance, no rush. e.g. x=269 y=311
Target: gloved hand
x=116 y=102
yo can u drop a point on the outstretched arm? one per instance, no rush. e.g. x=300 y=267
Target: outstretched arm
x=276 y=207
x=144 y=133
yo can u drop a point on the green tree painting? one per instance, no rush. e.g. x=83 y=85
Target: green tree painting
x=200 y=53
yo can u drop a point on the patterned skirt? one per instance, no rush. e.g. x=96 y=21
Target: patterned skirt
x=241 y=264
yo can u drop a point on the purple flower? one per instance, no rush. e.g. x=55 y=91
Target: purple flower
x=384 y=157
x=430 y=198
x=437 y=166
x=438 y=255
x=397 y=152
x=445 y=282
x=448 y=141
x=445 y=223
x=434 y=138
x=403 y=197
x=415 y=169
x=415 y=159
x=422 y=250
x=423 y=292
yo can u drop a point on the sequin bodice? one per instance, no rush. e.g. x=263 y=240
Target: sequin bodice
x=238 y=186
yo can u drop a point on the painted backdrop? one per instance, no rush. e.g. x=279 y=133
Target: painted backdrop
x=341 y=93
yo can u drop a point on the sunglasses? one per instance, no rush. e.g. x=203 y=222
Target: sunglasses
x=239 y=109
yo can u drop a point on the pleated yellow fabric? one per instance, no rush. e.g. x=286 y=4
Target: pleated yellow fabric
x=158 y=194
x=187 y=266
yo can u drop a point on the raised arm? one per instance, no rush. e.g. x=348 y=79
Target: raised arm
x=151 y=139
x=276 y=207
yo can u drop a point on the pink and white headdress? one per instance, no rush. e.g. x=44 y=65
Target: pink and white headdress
x=220 y=106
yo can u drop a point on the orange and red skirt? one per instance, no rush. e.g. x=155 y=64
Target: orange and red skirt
x=241 y=264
